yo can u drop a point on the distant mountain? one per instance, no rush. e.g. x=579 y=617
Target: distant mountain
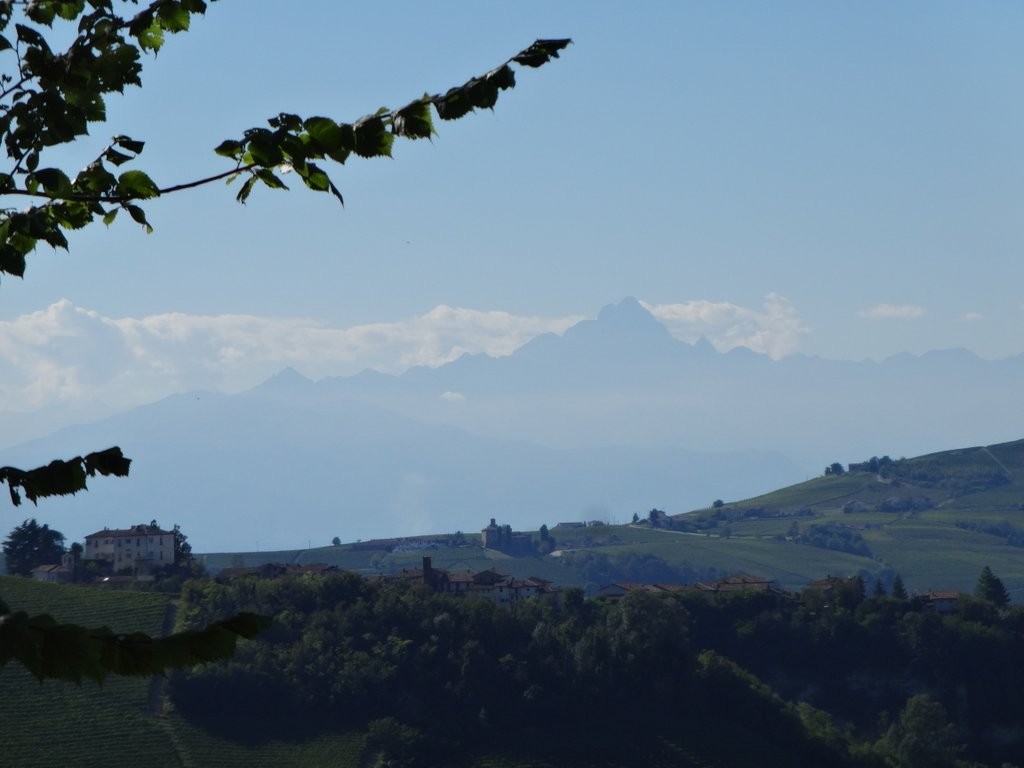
x=623 y=379
x=613 y=417
x=288 y=464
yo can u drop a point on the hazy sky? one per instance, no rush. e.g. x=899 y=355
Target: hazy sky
x=844 y=180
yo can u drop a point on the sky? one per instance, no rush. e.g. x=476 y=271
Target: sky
x=835 y=179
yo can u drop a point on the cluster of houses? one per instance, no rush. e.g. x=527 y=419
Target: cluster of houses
x=490 y=584
x=140 y=549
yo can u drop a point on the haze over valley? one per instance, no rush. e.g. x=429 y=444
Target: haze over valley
x=612 y=417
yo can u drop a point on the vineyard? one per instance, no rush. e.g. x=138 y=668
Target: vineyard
x=57 y=723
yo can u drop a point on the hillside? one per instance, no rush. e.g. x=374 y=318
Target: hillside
x=936 y=520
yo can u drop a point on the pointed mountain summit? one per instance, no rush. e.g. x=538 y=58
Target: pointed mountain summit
x=286 y=382
x=625 y=321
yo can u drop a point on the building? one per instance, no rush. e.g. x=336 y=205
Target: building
x=52 y=573
x=489 y=584
x=740 y=582
x=142 y=548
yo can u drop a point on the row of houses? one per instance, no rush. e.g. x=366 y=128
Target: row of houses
x=489 y=584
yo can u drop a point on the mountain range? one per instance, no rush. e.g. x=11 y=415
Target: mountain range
x=613 y=417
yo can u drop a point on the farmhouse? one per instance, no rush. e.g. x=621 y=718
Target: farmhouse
x=141 y=547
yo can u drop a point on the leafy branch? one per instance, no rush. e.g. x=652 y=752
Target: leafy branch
x=63 y=478
x=50 y=100
x=56 y=95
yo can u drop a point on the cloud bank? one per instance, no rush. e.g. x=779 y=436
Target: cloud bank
x=775 y=330
x=66 y=355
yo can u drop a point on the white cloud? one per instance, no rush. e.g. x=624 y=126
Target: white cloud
x=972 y=317
x=453 y=397
x=67 y=354
x=893 y=311
x=775 y=330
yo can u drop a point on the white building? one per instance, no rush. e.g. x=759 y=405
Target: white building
x=141 y=547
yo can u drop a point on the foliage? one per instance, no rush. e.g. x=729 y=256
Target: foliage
x=833 y=536
x=31 y=544
x=72 y=652
x=990 y=588
x=49 y=98
x=182 y=549
x=923 y=737
x=430 y=674
x=741 y=679
x=62 y=478
x=1004 y=529
x=898 y=591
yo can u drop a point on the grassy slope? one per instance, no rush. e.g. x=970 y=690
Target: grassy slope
x=925 y=547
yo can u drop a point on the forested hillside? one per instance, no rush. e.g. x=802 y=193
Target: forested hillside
x=828 y=677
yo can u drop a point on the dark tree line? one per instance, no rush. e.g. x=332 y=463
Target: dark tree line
x=438 y=673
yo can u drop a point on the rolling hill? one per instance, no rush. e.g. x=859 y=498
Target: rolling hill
x=936 y=520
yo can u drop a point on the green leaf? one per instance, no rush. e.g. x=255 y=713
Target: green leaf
x=55 y=238
x=173 y=17
x=115 y=157
x=372 y=138
x=136 y=185
x=504 y=77
x=31 y=37
x=454 y=104
x=483 y=93
x=74 y=214
x=327 y=134
x=337 y=193
x=109 y=216
x=541 y=52
x=287 y=121
x=12 y=261
x=130 y=144
x=70 y=9
x=150 y=36
x=267 y=177
x=41 y=12
x=139 y=216
x=315 y=178
x=243 y=193
x=413 y=120
x=264 y=152
x=53 y=180
x=229 y=148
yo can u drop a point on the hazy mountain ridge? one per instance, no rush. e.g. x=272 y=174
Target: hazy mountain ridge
x=611 y=418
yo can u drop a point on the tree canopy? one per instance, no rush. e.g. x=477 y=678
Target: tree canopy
x=991 y=588
x=31 y=544
x=49 y=98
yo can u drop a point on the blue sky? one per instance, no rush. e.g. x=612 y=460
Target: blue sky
x=843 y=180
